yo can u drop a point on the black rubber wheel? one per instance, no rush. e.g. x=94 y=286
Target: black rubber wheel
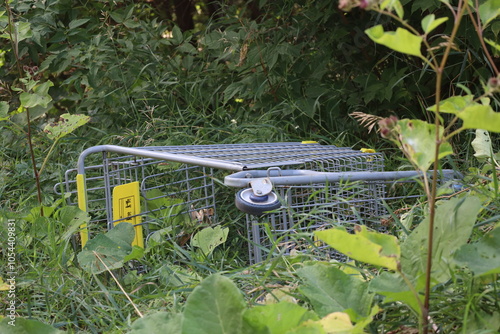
x=247 y=202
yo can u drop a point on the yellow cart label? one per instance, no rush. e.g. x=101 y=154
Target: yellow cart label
x=127 y=207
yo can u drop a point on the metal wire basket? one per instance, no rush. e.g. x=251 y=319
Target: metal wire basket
x=174 y=189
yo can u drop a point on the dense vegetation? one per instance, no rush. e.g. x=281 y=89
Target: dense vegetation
x=76 y=74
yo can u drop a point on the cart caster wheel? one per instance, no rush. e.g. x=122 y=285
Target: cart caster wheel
x=248 y=202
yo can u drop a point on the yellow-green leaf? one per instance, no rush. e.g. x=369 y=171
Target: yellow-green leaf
x=400 y=40
x=371 y=247
x=429 y=23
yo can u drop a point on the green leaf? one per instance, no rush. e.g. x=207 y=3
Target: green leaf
x=111 y=247
x=418 y=140
x=19 y=325
x=67 y=123
x=493 y=44
x=482 y=145
x=329 y=290
x=454 y=220
x=39 y=97
x=72 y=217
x=474 y=115
x=480 y=117
x=488 y=11
x=393 y=5
x=76 y=23
x=371 y=247
x=21 y=31
x=454 y=104
x=401 y=40
x=177 y=37
x=275 y=318
x=158 y=323
x=429 y=23
x=482 y=257
x=4 y=110
x=209 y=238
x=393 y=287
x=215 y=306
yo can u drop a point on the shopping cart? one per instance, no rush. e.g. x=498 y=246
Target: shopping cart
x=177 y=189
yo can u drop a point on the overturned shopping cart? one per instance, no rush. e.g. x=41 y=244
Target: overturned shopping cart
x=176 y=188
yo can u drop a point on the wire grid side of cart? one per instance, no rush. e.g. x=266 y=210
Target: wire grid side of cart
x=179 y=195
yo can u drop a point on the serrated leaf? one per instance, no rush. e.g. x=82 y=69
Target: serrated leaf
x=209 y=238
x=371 y=247
x=275 y=318
x=67 y=123
x=329 y=290
x=482 y=257
x=429 y=23
x=215 y=306
x=400 y=40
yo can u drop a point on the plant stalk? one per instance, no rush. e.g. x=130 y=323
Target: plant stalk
x=432 y=198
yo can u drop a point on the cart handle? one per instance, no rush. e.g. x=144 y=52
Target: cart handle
x=298 y=177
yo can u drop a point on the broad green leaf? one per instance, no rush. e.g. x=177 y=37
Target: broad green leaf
x=209 y=238
x=371 y=247
x=111 y=247
x=26 y=326
x=429 y=23
x=454 y=104
x=215 y=306
x=158 y=323
x=67 y=123
x=329 y=290
x=400 y=40
x=418 y=140
x=480 y=117
x=488 y=11
x=482 y=145
x=275 y=318
x=394 y=289
x=454 y=220
x=482 y=257
x=39 y=97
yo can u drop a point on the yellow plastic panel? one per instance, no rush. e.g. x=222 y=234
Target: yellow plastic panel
x=127 y=203
x=82 y=204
